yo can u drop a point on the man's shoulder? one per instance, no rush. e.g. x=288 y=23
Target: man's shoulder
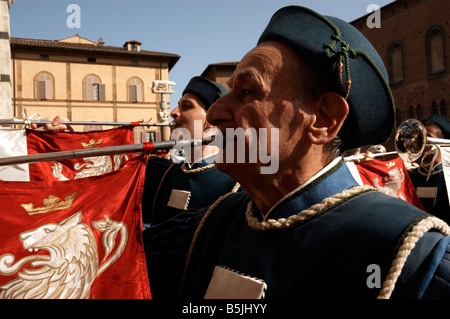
x=157 y=165
x=376 y=201
x=158 y=161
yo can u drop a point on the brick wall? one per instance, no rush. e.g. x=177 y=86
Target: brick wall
x=406 y=22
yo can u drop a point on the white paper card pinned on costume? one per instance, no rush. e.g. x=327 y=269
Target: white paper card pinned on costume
x=227 y=284
x=426 y=192
x=445 y=151
x=179 y=199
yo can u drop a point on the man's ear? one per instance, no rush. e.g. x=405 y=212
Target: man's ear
x=330 y=112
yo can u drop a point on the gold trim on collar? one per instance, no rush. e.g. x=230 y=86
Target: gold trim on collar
x=195 y=170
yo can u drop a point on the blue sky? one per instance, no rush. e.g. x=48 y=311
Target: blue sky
x=200 y=31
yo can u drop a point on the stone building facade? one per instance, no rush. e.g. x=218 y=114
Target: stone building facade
x=414 y=42
x=88 y=81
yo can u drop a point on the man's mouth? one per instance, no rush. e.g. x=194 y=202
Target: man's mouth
x=230 y=139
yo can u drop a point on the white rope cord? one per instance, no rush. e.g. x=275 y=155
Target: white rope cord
x=405 y=249
x=269 y=224
x=235 y=187
x=200 y=226
x=27 y=119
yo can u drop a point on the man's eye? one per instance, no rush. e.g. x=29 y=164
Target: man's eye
x=246 y=92
x=185 y=107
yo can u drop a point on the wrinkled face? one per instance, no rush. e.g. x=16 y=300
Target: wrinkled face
x=190 y=109
x=263 y=94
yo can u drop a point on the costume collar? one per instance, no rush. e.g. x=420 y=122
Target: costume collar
x=332 y=179
x=204 y=161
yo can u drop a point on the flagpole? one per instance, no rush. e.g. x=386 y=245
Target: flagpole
x=147 y=148
x=361 y=156
x=42 y=122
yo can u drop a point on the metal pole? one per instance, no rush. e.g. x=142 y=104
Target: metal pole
x=107 y=150
x=42 y=122
x=361 y=156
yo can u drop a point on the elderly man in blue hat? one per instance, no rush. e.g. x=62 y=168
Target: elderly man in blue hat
x=307 y=230
x=428 y=178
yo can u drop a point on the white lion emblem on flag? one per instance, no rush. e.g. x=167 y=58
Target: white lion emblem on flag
x=72 y=264
x=392 y=184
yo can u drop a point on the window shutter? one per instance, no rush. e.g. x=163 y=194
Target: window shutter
x=48 y=89
x=437 y=52
x=101 y=92
x=89 y=92
x=133 y=93
x=139 y=97
x=41 y=90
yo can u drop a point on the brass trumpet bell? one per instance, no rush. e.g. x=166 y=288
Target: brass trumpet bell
x=410 y=140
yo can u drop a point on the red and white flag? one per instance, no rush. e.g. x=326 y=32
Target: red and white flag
x=54 y=141
x=74 y=239
x=388 y=176
x=23 y=142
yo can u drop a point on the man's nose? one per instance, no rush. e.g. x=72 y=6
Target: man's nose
x=175 y=113
x=219 y=112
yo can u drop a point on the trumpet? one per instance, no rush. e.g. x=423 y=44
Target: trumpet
x=42 y=122
x=411 y=139
x=146 y=148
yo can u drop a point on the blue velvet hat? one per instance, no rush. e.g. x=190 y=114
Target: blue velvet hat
x=349 y=64
x=207 y=91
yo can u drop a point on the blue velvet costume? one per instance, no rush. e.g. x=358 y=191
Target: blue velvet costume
x=439 y=204
x=323 y=256
x=164 y=176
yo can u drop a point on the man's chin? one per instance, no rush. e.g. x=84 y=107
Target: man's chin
x=230 y=168
x=223 y=167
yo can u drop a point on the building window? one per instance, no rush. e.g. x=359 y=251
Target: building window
x=398 y=116
x=420 y=113
x=44 y=57
x=91 y=59
x=135 y=92
x=396 y=69
x=94 y=89
x=44 y=86
x=444 y=108
x=435 y=47
x=435 y=108
x=412 y=113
